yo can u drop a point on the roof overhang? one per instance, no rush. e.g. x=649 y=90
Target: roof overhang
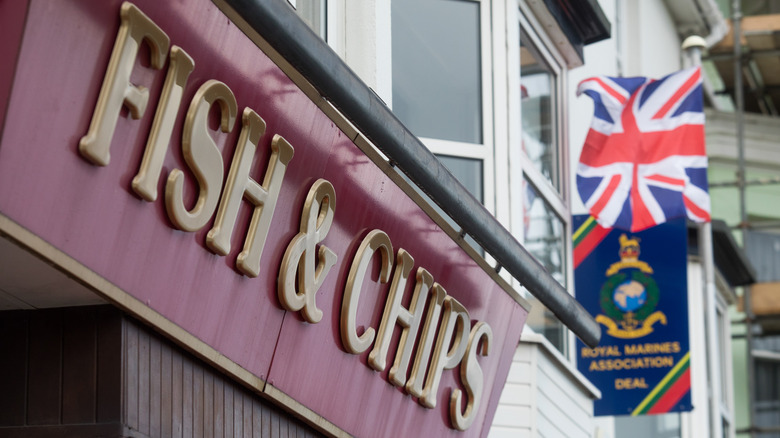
x=572 y=25
x=730 y=260
x=698 y=17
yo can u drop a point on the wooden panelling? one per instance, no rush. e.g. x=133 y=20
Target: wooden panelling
x=169 y=392
x=166 y=391
x=13 y=367
x=60 y=368
x=516 y=407
x=155 y=385
x=130 y=364
x=44 y=367
x=92 y=371
x=542 y=398
x=109 y=359
x=79 y=362
x=113 y=430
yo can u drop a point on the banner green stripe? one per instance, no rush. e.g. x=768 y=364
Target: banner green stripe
x=584 y=229
x=672 y=383
x=663 y=386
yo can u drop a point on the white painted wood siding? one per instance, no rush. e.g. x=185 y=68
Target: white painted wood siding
x=543 y=396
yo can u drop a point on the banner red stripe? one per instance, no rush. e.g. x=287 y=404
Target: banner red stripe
x=614 y=182
x=698 y=212
x=589 y=243
x=685 y=140
x=667 y=180
x=593 y=151
x=673 y=394
x=692 y=81
x=595 y=139
x=612 y=92
x=641 y=215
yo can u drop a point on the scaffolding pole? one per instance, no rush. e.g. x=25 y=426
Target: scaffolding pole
x=736 y=21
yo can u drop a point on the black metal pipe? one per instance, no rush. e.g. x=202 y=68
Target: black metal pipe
x=277 y=23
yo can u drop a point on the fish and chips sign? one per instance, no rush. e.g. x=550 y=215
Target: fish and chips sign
x=155 y=153
x=635 y=285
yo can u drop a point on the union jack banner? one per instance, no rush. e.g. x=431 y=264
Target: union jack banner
x=644 y=159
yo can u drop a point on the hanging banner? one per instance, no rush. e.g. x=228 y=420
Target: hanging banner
x=636 y=286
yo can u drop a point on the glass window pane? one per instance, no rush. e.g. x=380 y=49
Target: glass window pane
x=544 y=232
x=467 y=171
x=649 y=426
x=722 y=332
x=437 y=68
x=313 y=13
x=538 y=112
x=767 y=384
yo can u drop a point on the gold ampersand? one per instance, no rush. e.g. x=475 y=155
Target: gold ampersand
x=299 y=258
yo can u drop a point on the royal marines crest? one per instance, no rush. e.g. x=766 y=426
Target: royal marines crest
x=630 y=295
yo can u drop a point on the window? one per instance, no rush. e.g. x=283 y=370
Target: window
x=546 y=224
x=647 y=426
x=314 y=13
x=544 y=239
x=767 y=377
x=441 y=84
x=538 y=89
x=437 y=69
x=544 y=233
x=469 y=173
x=723 y=338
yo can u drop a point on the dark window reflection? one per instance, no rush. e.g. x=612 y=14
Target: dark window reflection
x=544 y=232
x=468 y=171
x=538 y=113
x=437 y=68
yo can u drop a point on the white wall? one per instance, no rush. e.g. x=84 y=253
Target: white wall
x=696 y=422
x=650 y=43
x=543 y=397
x=366 y=45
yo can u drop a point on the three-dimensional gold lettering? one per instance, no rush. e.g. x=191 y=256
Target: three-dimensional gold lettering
x=202 y=156
x=263 y=197
x=375 y=241
x=179 y=69
x=471 y=376
x=117 y=90
x=441 y=341
x=449 y=350
x=301 y=261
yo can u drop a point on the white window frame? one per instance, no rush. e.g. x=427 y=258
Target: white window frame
x=482 y=151
x=360 y=33
x=335 y=13
x=370 y=55
x=520 y=164
x=725 y=359
x=558 y=199
x=326 y=18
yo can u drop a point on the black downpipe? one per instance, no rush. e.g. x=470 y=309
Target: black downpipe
x=277 y=23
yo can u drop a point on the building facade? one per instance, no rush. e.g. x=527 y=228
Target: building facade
x=113 y=278
x=200 y=270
